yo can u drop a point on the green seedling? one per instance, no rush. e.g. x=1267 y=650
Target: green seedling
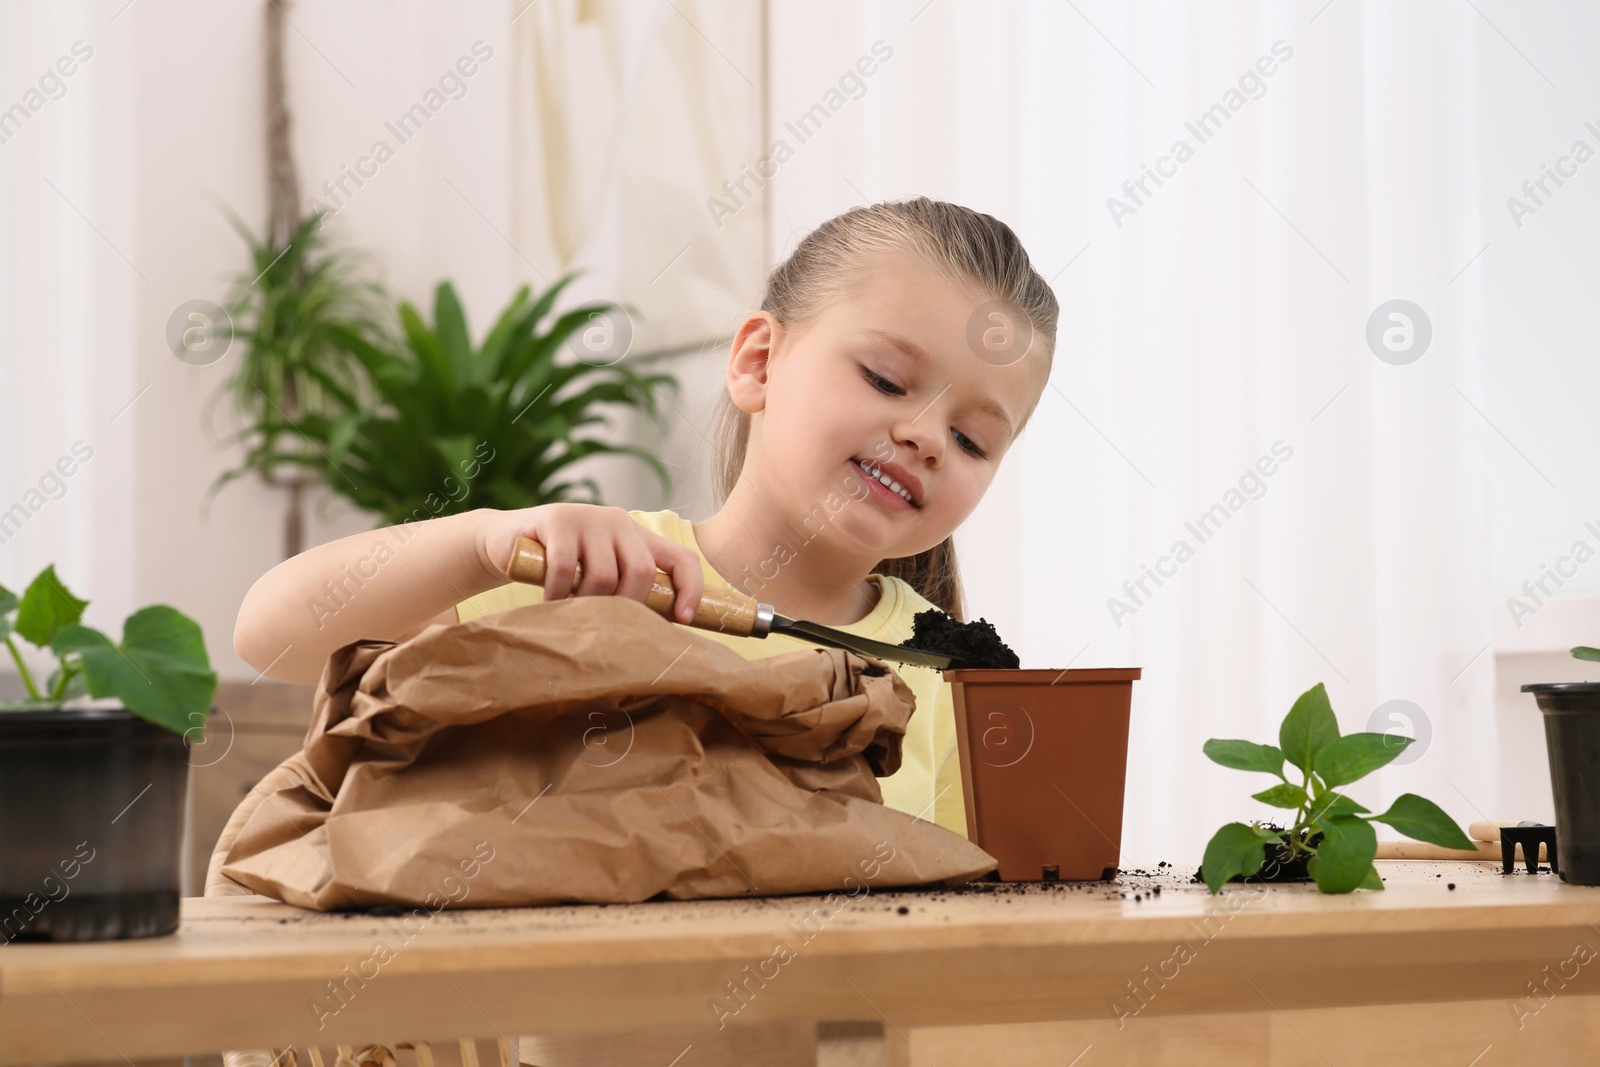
x=1585 y=652
x=1342 y=860
x=159 y=672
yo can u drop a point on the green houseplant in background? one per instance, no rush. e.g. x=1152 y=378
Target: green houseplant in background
x=454 y=427
x=1331 y=833
x=286 y=305
x=91 y=796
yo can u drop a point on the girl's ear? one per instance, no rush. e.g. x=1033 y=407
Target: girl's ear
x=748 y=361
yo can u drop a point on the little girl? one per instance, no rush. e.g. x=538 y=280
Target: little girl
x=897 y=354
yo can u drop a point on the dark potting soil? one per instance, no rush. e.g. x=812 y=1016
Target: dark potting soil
x=1277 y=867
x=969 y=644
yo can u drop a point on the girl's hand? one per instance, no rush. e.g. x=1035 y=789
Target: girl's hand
x=618 y=555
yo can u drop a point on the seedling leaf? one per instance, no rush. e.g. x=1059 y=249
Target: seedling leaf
x=1245 y=755
x=46 y=607
x=1234 y=849
x=1345 y=759
x=1335 y=804
x=1422 y=819
x=1283 y=795
x=160 y=672
x=1345 y=855
x=1308 y=726
x=71 y=688
x=1585 y=652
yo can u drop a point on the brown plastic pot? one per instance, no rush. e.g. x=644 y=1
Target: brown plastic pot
x=1044 y=760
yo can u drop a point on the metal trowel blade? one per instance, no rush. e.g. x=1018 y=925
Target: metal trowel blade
x=826 y=635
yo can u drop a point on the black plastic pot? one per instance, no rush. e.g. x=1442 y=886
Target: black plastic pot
x=1572 y=740
x=91 y=825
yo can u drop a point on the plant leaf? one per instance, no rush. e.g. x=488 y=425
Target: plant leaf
x=1373 y=880
x=46 y=607
x=450 y=323
x=76 y=686
x=1245 y=755
x=1345 y=759
x=1234 y=849
x=535 y=315
x=1308 y=726
x=1344 y=855
x=424 y=344
x=1422 y=819
x=8 y=604
x=160 y=672
x=1283 y=795
x=1585 y=652
x=1335 y=804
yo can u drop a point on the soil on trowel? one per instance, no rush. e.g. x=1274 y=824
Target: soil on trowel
x=969 y=644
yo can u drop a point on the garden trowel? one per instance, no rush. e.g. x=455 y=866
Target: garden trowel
x=727 y=611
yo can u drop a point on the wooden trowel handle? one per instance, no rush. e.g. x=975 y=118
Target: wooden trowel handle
x=720 y=610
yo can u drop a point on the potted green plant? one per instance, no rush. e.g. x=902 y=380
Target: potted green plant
x=92 y=793
x=1571 y=712
x=454 y=427
x=1331 y=839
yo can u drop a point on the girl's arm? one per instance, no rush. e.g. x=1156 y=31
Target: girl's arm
x=391 y=583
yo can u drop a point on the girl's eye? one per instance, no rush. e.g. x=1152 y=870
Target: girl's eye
x=879 y=382
x=884 y=385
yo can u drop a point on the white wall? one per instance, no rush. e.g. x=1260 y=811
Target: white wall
x=1540 y=281
x=1537 y=88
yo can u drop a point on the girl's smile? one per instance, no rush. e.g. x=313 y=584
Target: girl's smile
x=893 y=484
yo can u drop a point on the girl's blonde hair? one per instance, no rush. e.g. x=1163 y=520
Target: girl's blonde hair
x=964 y=245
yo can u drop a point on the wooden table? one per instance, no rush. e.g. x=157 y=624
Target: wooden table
x=1262 y=974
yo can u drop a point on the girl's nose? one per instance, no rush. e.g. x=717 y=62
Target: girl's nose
x=922 y=444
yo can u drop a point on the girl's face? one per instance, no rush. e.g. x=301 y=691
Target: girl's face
x=895 y=377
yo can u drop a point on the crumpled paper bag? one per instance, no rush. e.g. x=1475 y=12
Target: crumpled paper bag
x=589 y=750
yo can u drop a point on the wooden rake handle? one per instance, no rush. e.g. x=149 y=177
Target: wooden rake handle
x=720 y=610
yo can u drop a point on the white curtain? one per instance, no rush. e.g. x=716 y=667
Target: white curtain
x=628 y=117
x=69 y=392
x=1223 y=324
